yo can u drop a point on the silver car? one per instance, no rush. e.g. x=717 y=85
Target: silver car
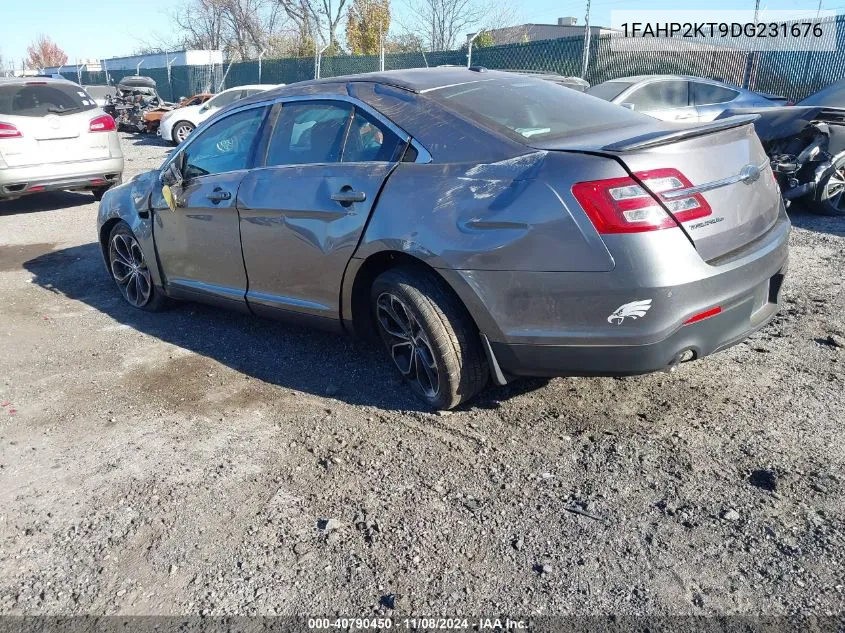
x=484 y=225
x=680 y=97
x=53 y=136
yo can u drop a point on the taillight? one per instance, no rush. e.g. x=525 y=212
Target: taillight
x=7 y=130
x=623 y=205
x=103 y=123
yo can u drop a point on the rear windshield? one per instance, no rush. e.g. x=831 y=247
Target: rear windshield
x=532 y=109
x=609 y=90
x=40 y=99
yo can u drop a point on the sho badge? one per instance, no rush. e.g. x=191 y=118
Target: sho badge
x=633 y=310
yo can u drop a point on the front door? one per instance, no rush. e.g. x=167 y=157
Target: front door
x=302 y=215
x=198 y=244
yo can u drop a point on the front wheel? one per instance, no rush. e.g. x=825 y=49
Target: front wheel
x=429 y=336
x=181 y=131
x=830 y=191
x=129 y=270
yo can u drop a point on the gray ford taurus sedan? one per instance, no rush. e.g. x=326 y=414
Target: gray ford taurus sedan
x=486 y=225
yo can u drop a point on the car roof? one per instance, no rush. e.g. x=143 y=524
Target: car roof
x=34 y=80
x=253 y=87
x=413 y=79
x=633 y=79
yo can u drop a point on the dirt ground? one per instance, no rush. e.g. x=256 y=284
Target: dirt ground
x=198 y=461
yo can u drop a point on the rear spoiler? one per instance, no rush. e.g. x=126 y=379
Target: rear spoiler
x=665 y=137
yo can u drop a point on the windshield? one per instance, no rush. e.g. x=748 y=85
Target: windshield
x=35 y=99
x=527 y=108
x=609 y=90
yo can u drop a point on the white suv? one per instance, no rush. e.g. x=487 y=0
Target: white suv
x=177 y=124
x=53 y=136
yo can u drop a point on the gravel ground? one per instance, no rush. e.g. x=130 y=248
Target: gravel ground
x=198 y=461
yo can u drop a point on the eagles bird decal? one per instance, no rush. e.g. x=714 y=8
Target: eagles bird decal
x=633 y=310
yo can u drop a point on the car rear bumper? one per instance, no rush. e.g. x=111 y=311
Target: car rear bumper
x=19 y=181
x=689 y=342
x=559 y=324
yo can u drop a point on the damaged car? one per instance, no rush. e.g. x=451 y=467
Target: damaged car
x=483 y=225
x=152 y=118
x=806 y=147
x=136 y=95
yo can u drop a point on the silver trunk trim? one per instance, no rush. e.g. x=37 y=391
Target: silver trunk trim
x=748 y=174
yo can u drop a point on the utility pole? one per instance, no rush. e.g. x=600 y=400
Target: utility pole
x=586 y=57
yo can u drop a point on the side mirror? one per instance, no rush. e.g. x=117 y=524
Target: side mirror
x=172 y=176
x=630 y=106
x=204 y=108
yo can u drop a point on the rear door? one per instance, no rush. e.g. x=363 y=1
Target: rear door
x=48 y=122
x=729 y=170
x=302 y=215
x=198 y=244
x=667 y=100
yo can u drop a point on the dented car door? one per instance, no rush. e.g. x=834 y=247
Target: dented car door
x=302 y=214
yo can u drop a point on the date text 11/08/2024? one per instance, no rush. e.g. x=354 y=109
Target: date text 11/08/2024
x=418 y=624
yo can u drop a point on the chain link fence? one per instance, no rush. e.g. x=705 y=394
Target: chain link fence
x=794 y=74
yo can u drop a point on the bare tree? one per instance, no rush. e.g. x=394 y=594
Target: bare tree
x=241 y=28
x=319 y=18
x=443 y=24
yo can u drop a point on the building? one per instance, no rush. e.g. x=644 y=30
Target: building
x=135 y=63
x=565 y=27
x=162 y=60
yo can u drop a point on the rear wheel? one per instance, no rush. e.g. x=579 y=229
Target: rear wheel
x=181 y=131
x=830 y=191
x=99 y=192
x=429 y=336
x=129 y=270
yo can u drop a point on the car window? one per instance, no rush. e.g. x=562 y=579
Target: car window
x=707 y=94
x=226 y=145
x=37 y=99
x=252 y=91
x=369 y=141
x=528 y=108
x=309 y=132
x=224 y=98
x=660 y=95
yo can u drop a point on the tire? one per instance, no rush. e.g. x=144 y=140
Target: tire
x=99 y=192
x=129 y=270
x=182 y=127
x=429 y=336
x=830 y=191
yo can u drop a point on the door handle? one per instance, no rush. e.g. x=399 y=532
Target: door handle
x=347 y=196
x=680 y=117
x=218 y=195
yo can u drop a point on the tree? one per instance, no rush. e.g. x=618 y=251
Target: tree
x=241 y=28
x=484 y=39
x=404 y=43
x=44 y=53
x=367 y=24
x=317 y=17
x=443 y=22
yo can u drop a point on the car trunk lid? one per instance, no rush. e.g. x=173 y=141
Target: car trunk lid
x=723 y=162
